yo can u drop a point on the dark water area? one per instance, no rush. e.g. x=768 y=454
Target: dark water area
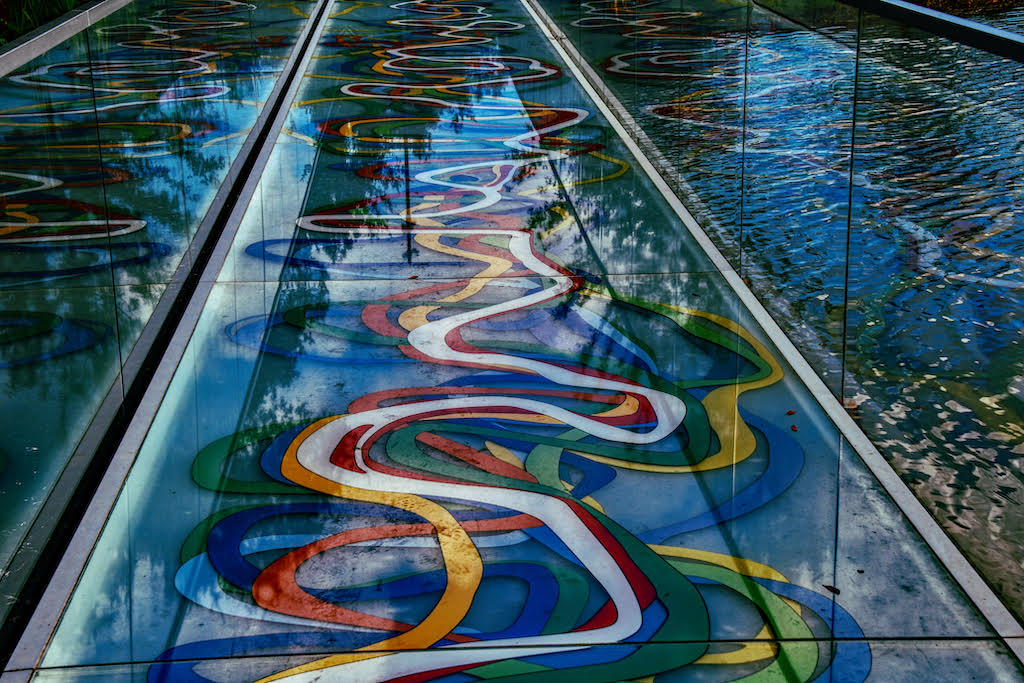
x=874 y=203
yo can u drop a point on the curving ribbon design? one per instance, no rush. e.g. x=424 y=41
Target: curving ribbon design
x=153 y=55
x=374 y=538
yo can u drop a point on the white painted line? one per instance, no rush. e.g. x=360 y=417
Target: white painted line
x=23 y=51
x=1001 y=619
x=36 y=638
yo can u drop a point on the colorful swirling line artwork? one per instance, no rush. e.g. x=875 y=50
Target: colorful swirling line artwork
x=62 y=114
x=502 y=463
x=153 y=55
x=495 y=475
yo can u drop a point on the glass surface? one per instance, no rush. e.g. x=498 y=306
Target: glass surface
x=796 y=179
x=755 y=130
x=679 y=71
x=59 y=342
x=52 y=176
x=488 y=426
x=360 y=161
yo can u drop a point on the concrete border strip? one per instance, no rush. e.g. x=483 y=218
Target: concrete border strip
x=991 y=607
x=33 y=643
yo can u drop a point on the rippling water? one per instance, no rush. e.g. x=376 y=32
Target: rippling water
x=900 y=273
